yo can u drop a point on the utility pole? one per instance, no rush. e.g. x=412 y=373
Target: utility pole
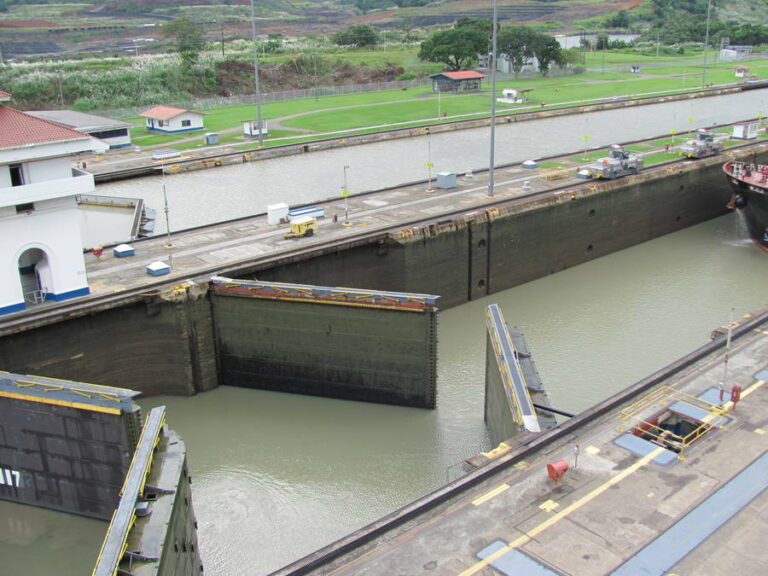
x=491 y=163
x=260 y=124
x=345 y=194
x=706 y=45
x=222 y=38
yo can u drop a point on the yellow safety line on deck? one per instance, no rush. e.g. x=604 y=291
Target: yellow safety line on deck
x=495 y=492
x=55 y=402
x=43 y=378
x=549 y=505
x=564 y=513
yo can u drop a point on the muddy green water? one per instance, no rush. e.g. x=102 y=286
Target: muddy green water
x=276 y=476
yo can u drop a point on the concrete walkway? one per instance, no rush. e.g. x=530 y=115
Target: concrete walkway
x=615 y=511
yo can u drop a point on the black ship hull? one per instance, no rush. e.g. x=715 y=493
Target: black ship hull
x=750 y=197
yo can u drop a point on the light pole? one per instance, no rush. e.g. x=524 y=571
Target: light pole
x=221 y=31
x=256 y=74
x=491 y=163
x=316 y=99
x=222 y=38
x=586 y=139
x=345 y=194
x=706 y=45
x=429 y=164
x=168 y=242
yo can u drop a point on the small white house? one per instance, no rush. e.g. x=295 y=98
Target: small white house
x=169 y=119
x=745 y=130
x=41 y=256
x=732 y=53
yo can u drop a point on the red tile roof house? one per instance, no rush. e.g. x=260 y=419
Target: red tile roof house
x=461 y=81
x=41 y=254
x=171 y=120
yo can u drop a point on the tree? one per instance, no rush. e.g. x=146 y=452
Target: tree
x=356 y=35
x=619 y=20
x=572 y=58
x=188 y=35
x=480 y=24
x=547 y=51
x=516 y=42
x=458 y=48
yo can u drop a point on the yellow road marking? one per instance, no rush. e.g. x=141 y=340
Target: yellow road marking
x=564 y=513
x=592 y=450
x=495 y=492
x=549 y=505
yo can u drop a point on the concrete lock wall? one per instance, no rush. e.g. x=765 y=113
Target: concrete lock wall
x=353 y=353
x=466 y=258
x=152 y=345
x=63 y=458
x=167 y=347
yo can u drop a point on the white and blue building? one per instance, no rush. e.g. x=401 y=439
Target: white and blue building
x=41 y=254
x=172 y=120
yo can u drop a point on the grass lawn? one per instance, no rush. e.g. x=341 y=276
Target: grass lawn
x=419 y=106
x=639 y=147
x=551 y=164
x=591 y=155
x=659 y=157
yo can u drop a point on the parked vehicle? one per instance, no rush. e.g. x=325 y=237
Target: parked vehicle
x=302 y=227
x=702 y=146
x=618 y=163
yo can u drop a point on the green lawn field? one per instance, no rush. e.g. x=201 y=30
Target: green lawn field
x=312 y=118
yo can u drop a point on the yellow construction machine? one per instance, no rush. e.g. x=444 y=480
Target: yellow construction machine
x=301 y=227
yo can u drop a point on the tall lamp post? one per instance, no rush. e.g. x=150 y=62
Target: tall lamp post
x=429 y=164
x=706 y=45
x=491 y=163
x=260 y=124
x=221 y=30
x=345 y=194
x=168 y=242
x=222 y=38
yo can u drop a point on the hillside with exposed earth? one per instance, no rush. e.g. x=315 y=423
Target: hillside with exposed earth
x=114 y=26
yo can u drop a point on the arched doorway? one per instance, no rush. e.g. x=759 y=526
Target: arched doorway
x=34 y=274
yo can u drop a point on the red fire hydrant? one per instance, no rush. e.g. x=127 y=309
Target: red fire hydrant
x=735 y=395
